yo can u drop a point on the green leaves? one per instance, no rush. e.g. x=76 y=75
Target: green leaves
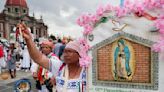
x=102 y=20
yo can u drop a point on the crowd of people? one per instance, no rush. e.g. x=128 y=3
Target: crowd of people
x=18 y=56
x=54 y=64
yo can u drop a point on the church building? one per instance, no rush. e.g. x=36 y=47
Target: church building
x=15 y=11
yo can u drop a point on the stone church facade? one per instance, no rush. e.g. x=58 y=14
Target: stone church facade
x=16 y=11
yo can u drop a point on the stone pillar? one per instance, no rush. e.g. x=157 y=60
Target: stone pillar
x=7 y=30
x=34 y=31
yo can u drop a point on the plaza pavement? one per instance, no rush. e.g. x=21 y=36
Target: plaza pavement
x=8 y=85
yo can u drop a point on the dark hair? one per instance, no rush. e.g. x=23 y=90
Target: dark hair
x=59 y=40
x=36 y=40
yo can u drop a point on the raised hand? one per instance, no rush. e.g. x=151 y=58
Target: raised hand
x=26 y=34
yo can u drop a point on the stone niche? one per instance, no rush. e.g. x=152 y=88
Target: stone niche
x=125 y=61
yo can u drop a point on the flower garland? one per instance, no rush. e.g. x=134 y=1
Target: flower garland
x=138 y=8
x=159 y=23
x=85 y=60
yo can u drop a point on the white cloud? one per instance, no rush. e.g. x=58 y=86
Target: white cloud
x=67 y=11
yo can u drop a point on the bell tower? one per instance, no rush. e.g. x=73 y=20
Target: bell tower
x=16 y=8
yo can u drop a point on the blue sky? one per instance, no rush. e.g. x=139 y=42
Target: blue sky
x=61 y=15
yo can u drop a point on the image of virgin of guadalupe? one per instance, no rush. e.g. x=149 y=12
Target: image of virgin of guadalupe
x=22 y=85
x=122 y=57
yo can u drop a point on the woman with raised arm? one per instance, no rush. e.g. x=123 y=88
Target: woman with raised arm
x=70 y=77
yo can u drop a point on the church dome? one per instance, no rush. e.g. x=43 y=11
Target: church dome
x=21 y=3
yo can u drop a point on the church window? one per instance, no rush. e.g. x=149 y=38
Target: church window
x=9 y=10
x=40 y=33
x=12 y=29
x=16 y=10
x=24 y=11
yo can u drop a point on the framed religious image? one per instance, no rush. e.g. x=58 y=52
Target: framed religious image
x=125 y=61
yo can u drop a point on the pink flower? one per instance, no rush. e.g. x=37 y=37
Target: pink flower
x=156 y=3
x=84 y=19
x=82 y=40
x=79 y=22
x=87 y=29
x=85 y=48
x=151 y=4
x=147 y=4
x=160 y=24
x=84 y=45
x=139 y=8
x=94 y=18
x=161 y=30
x=108 y=8
x=159 y=46
x=120 y=12
x=85 y=61
x=161 y=16
x=128 y=5
x=100 y=11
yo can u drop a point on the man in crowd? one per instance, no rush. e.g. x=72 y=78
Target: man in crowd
x=40 y=74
